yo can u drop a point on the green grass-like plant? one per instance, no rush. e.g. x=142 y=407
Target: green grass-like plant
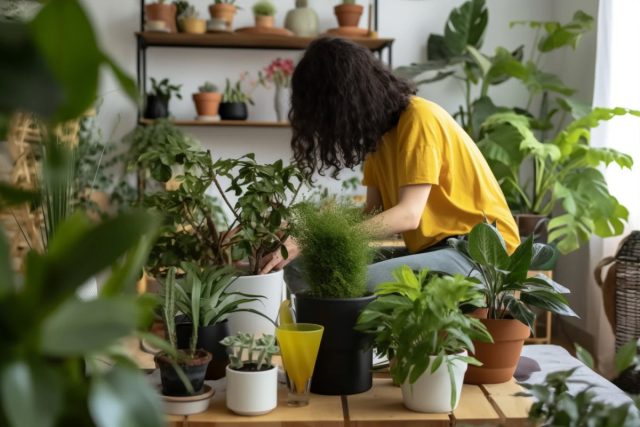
x=264 y=8
x=335 y=250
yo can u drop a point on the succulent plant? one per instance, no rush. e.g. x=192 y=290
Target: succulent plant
x=249 y=353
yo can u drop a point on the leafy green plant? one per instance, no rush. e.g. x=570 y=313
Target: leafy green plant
x=418 y=316
x=189 y=12
x=208 y=87
x=555 y=406
x=224 y=2
x=507 y=290
x=264 y=8
x=163 y=89
x=249 y=353
x=335 y=250
x=235 y=93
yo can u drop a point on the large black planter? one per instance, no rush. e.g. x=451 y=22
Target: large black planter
x=233 y=111
x=194 y=369
x=344 y=363
x=209 y=338
x=157 y=107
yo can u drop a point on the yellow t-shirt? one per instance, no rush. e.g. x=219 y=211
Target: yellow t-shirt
x=429 y=147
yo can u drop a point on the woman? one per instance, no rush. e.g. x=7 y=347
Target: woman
x=421 y=170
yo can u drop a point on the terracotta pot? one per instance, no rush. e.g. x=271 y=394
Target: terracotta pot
x=207 y=103
x=529 y=224
x=263 y=21
x=348 y=14
x=224 y=12
x=162 y=12
x=194 y=25
x=499 y=358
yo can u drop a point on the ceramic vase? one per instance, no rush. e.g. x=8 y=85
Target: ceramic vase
x=252 y=393
x=303 y=20
x=281 y=103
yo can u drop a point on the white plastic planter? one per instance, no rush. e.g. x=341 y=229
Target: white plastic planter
x=270 y=287
x=252 y=393
x=431 y=393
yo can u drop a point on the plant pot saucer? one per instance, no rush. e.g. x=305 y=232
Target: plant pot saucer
x=265 y=31
x=208 y=118
x=349 y=32
x=188 y=405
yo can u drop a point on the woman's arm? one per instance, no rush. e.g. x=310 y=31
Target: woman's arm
x=404 y=216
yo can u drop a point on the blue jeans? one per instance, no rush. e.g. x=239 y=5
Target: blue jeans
x=446 y=260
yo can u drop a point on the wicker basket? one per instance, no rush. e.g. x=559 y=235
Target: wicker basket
x=628 y=291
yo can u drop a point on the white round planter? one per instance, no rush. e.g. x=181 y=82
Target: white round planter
x=431 y=393
x=252 y=393
x=270 y=287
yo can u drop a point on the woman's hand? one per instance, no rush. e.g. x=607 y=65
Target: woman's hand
x=274 y=260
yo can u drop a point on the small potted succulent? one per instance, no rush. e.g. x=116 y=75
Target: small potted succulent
x=234 y=102
x=207 y=101
x=159 y=97
x=252 y=378
x=335 y=251
x=348 y=13
x=224 y=10
x=264 y=12
x=182 y=375
x=162 y=11
x=190 y=22
x=508 y=293
x=417 y=321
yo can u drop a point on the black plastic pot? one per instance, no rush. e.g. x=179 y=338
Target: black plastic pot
x=343 y=365
x=209 y=338
x=193 y=368
x=157 y=107
x=233 y=111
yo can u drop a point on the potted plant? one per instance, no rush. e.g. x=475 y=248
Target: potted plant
x=264 y=12
x=162 y=11
x=279 y=73
x=348 y=13
x=418 y=321
x=159 y=97
x=508 y=295
x=234 y=102
x=335 y=254
x=252 y=378
x=207 y=101
x=190 y=21
x=224 y=10
x=211 y=286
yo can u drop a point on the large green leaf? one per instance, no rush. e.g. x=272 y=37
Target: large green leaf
x=569 y=231
x=78 y=327
x=538 y=81
x=560 y=35
x=519 y=311
x=520 y=260
x=126 y=274
x=466 y=26
x=585 y=357
x=487 y=247
x=30 y=395
x=110 y=408
x=626 y=356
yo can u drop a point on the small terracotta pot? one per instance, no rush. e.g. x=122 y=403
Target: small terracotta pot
x=500 y=358
x=162 y=12
x=263 y=21
x=194 y=25
x=224 y=12
x=348 y=14
x=207 y=103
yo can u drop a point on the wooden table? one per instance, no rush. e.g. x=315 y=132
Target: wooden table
x=491 y=405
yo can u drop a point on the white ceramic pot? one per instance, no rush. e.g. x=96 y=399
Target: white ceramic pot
x=269 y=286
x=252 y=393
x=431 y=393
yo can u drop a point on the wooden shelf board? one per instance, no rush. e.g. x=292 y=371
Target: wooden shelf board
x=224 y=123
x=245 y=41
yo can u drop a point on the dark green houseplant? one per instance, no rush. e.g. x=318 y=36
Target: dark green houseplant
x=335 y=253
x=509 y=293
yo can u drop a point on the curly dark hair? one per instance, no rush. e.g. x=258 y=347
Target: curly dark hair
x=343 y=100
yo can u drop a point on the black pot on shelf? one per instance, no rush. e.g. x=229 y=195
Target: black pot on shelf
x=345 y=357
x=157 y=107
x=194 y=368
x=209 y=338
x=233 y=111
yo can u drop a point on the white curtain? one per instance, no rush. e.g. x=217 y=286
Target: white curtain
x=617 y=84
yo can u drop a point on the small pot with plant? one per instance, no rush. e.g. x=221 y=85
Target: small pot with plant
x=348 y=13
x=234 y=102
x=182 y=375
x=508 y=293
x=335 y=255
x=417 y=321
x=224 y=10
x=207 y=101
x=162 y=11
x=252 y=378
x=264 y=12
x=190 y=21
x=159 y=97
